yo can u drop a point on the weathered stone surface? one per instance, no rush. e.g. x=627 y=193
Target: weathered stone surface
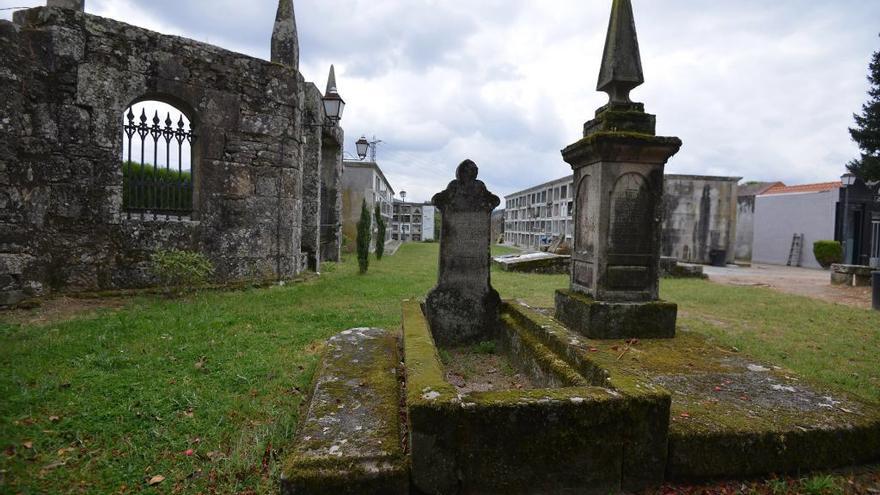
x=349 y=441
x=671 y=268
x=613 y=320
x=68 y=4
x=544 y=263
x=618 y=191
x=60 y=157
x=552 y=440
x=285 y=41
x=621 y=69
x=463 y=307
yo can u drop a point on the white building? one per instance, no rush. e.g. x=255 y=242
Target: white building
x=784 y=211
x=413 y=222
x=364 y=181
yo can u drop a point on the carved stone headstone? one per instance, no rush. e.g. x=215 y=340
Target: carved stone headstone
x=463 y=307
x=618 y=175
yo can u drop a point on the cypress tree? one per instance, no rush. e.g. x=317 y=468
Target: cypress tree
x=380 y=233
x=364 y=227
x=867 y=131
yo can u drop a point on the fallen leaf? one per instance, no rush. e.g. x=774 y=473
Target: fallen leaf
x=28 y=444
x=685 y=415
x=54 y=465
x=155 y=480
x=593 y=349
x=54 y=419
x=718 y=389
x=189 y=452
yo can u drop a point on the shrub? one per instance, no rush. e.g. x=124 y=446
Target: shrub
x=159 y=189
x=364 y=226
x=487 y=347
x=181 y=268
x=380 y=233
x=827 y=253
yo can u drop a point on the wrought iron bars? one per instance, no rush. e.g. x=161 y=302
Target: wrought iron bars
x=148 y=187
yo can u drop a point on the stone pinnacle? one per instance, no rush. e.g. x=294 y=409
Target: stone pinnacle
x=331 y=82
x=285 y=43
x=621 y=63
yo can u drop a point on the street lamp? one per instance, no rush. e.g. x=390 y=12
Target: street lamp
x=333 y=105
x=847 y=179
x=363 y=146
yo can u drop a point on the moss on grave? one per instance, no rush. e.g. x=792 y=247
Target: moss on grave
x=349 y=440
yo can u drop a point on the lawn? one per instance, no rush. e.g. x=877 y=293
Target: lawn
x=204 y=391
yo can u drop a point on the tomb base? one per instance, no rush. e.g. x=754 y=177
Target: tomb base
x=609 y=320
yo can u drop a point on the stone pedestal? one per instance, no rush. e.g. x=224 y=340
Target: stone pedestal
x=618 y=183
x=463 y=307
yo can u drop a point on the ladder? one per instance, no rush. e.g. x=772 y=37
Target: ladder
x=797 y=250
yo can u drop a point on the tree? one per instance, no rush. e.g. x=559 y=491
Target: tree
x=867 y=131
x=364 y=228
x=380 y=233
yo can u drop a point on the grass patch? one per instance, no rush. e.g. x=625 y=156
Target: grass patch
x=104 y=402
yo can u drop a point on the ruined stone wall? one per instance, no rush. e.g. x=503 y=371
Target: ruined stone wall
x=699 y=215
x=66 y=78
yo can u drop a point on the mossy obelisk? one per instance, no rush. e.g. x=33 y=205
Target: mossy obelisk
x=618 y=182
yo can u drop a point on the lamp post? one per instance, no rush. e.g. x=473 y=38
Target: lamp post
x=847 y=180
x=363 y=147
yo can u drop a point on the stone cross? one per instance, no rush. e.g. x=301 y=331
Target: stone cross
x=285 y=42
x=79 y=5
x=463 y=307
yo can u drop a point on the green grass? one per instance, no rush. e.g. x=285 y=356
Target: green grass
x=109 y=400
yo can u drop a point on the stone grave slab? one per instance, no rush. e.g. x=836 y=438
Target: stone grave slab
x=349 y=441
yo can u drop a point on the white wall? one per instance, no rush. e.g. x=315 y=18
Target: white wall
x=428 y=233
x=779 y=217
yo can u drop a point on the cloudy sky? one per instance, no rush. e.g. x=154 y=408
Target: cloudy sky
x=758 y=89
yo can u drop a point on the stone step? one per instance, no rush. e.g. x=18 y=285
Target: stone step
x=349 y=441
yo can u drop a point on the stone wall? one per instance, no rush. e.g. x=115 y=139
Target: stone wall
x=745 y=227
x=699 y=216
x=66 y=78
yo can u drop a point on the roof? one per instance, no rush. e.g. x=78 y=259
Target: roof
x=757 y=188
x=805 y=188
x=372 y=165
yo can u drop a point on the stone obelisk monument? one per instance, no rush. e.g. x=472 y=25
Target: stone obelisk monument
x=618 y=183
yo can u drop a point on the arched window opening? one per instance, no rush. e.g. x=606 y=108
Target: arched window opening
x=157 y=161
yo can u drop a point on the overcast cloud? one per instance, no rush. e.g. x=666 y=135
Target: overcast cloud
x=755 y=89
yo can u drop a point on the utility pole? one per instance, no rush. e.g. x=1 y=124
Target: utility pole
x=373 y=145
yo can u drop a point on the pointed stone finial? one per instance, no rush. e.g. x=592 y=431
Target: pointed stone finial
x=621 y=70
x=285 y=42
x=331 y=82
x=79 y=5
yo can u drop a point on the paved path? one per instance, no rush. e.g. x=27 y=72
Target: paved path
x=801 y=281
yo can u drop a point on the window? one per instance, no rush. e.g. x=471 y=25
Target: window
x=564 y=192
x=157 y=160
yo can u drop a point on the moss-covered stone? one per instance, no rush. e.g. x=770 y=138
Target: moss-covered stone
x=547 y=265
x=574 y=439
x=604 y=320
x=349 y=441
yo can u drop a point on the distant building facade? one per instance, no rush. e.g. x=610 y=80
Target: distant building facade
x=745 y=217
x=413 y=222
x=364 y=181
x=699 y=216
x=785 y=211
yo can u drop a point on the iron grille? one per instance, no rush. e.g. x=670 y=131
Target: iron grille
x=148 y=187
